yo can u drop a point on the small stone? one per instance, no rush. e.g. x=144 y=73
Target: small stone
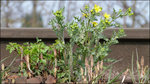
x=5 y=81
x=40 y=78
x=13 y=77
x=50 y=80
x=21 y=80
x=34 y=80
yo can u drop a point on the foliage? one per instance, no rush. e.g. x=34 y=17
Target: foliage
x=38 y=54
x=65 y=62
x=85 y=33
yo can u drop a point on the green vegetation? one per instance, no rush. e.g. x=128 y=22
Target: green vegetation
x=85 y=33
x=36 y=58
x=65 y=62
x=142 y=71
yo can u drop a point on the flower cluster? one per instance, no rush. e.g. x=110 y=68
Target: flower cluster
x=74 y=26
x=58 y=13
x=96 y=12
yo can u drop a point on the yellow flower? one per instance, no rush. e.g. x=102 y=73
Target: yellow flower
x=106 y=21
x=129 y=9
x=92 y=11
x=97 y=8
x=107 y=16
x=85 y=15
x=94 y=24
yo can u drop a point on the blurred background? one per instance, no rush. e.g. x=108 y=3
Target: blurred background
x=37 y=13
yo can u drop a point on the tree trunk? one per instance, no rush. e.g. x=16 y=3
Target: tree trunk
x=124 y=18
x=68 y=11
x=34 y=20
x=133 y=17
x=7 y=14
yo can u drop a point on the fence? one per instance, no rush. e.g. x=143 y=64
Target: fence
x=135 y=39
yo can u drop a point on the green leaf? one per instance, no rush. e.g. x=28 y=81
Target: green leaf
x=43 y=61
x=116 y=77
x=109 y=77
x=108 y=67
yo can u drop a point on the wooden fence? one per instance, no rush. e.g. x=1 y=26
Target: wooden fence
x=135 y=39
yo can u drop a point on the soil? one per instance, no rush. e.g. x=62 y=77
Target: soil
x=34 y=80
x=50 y=80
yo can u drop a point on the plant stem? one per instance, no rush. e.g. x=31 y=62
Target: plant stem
x=71 y=61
